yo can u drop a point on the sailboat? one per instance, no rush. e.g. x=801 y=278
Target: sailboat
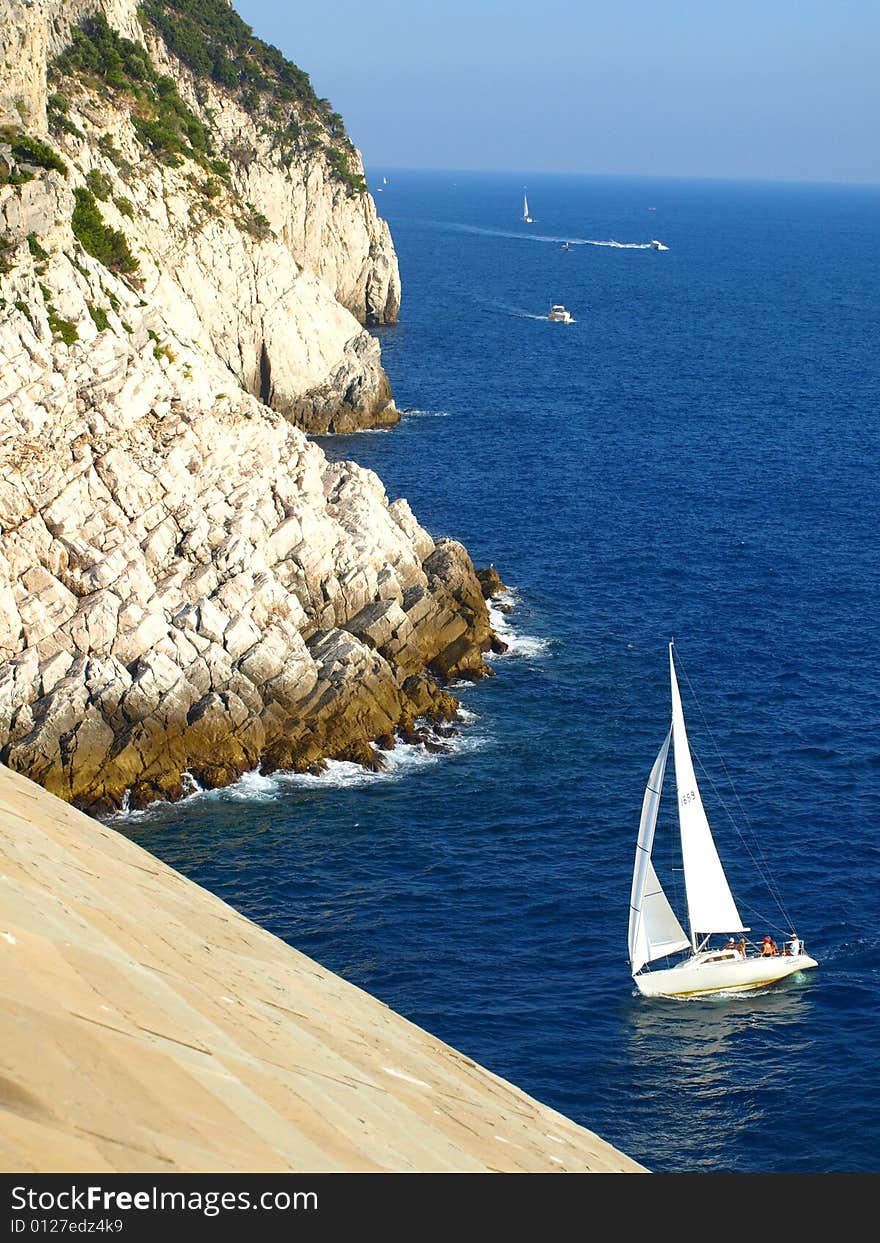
x=655 y=932
x=526 y=217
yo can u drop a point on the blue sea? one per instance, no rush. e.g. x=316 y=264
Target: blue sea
x=696 y=457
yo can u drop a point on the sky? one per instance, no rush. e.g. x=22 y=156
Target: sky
x=771 y=89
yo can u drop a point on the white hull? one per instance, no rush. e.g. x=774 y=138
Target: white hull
x=697 y=977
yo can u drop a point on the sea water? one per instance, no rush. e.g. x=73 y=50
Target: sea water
x=696 y=457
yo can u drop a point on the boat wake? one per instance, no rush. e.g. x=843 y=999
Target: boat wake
x=547 y=237
x=504 y=308
x=523 y=314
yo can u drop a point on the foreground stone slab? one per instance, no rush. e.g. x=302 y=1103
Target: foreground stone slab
x=146 y=1026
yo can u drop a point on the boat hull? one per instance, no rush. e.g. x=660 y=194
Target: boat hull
x=698 y=978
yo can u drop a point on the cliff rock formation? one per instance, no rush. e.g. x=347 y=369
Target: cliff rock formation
x=188 y=588
x=240 y=214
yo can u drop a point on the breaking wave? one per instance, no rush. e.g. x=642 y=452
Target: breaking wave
x=523 y=645
x=258 y=787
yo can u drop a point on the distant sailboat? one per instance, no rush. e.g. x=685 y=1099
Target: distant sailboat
x=654 y=929
x=526 y=217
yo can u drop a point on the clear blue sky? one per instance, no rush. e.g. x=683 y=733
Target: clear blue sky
x=779 y=89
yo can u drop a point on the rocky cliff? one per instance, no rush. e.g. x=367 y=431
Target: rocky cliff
x=188 y=589
x=241 y=212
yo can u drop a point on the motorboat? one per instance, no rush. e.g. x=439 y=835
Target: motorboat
x=558 y=315
x=655 y=245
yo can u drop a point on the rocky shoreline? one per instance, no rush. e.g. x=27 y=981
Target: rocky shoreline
x=189 y=590
x=216 y=596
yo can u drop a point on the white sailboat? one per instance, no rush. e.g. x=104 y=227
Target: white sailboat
x=654 y=929
x=526 y=217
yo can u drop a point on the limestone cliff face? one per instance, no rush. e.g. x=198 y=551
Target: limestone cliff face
x=272 y=263
x=188 y=589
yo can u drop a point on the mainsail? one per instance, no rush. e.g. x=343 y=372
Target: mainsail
x=654 y=930
x=711 y=907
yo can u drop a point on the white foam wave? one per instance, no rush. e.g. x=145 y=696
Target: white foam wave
x=426 y=414
x=253 y=787
x=343 y=774
x=258 y=787
x=525 y=645
x=521 y=645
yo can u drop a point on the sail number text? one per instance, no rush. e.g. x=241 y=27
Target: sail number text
x=688 y=797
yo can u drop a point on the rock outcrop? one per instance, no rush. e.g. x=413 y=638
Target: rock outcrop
x=188 y=588
x=192 y=588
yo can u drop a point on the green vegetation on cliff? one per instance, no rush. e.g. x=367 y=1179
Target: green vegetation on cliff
x=29 y=150
x=162 y=120
x=212 y=41
x=107 y=245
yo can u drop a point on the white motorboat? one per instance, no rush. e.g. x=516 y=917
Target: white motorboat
x=655 y=245
x=558 y=315
x=655 y=932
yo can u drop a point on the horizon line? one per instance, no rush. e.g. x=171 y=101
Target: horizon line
x=515 y=172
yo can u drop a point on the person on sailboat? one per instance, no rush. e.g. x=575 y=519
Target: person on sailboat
x=794 y=945
x=770 y=948
x=741 y=946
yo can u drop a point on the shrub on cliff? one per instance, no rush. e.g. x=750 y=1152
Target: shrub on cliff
x=97 y=49
x=34 y=151
x=6 y=247
x=338 y=161
x=99 y=316
x=99 y=184
x=35 y=248
x=56 y=113
x=62 y=328
x=107 y=245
